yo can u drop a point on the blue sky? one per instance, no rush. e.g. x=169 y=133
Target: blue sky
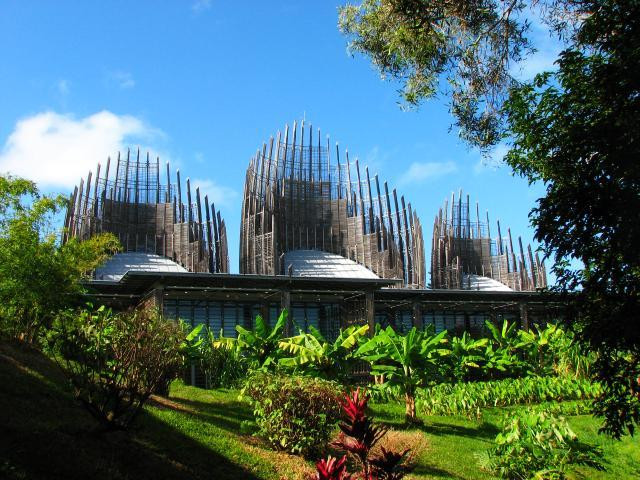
x=204 y=83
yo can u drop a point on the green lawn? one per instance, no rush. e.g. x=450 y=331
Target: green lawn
x=196 y=434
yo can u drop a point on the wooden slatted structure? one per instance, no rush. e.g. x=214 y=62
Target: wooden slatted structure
x=296 y=197
x=462 y=247
x=148 y=216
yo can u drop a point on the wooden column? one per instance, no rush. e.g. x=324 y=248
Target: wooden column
x=285 y=304
x=417 y=315
x=524 y=317
x=370 y=311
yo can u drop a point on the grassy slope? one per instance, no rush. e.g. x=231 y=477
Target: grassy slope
x=195 y=434
x=44 y=434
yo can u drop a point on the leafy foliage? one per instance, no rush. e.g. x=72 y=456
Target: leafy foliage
x=466 y=358
x=39 y=277
x=554 y=351
x=260 y=345
x=332 y=469
x=464 y=49
x=469 y=398
x=538 y=445
x=359 y=435
x=406 y=361
x=222 y=361
x=115 y=362
x=293 y=413
x=314 y=355
x=576 y=131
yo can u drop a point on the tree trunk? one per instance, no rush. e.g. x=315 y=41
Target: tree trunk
x=410 y=404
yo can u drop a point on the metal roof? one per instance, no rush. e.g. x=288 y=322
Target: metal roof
x=484 y=284
x=316 y=263
x=118 y=265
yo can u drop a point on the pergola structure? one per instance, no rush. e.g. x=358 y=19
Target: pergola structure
x=298 y=199
x=464 y=255
x=148 y=216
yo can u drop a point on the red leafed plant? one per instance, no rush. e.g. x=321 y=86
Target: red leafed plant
x=358 y=436
x=332 y=469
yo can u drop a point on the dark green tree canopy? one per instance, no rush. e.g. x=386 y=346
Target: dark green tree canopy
x=577 y=132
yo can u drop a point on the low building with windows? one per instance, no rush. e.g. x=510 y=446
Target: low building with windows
x=320 y=236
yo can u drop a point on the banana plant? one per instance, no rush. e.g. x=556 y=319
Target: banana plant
x=406 y=361
x=466 y=356
x=190 y=346
x=540 y=346
x=260 y=345
x=314 y=354
x=502 y=350
x=506 y=337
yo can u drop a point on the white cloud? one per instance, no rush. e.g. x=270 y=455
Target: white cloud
x=422 y=171
x=218 y=194
x=376 y=159
x=56 y=150
x=547 y=46
x=124 y=80
x=491 y=160
x=201 y=5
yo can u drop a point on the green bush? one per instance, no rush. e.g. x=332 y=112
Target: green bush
x=469 y=398
x=295 y=414
x=537 y=445
x=115 y=362
x=222 y=362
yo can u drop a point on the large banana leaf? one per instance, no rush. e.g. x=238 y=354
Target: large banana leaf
x=314 y=351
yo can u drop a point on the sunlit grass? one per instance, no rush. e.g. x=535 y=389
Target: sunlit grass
x=196 y=433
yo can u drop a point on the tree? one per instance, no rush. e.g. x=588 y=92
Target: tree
x=576 y=131
x=463 y=48
x=406 y=361
x=466 y=356
x=116 y=361
x=38 y=276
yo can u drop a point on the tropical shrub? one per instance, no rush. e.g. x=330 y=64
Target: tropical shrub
x=114 y=362
x=358 y=437
x=537 y=445
x=502 y=357
x=260 y=345
x=293 y=413
x=467 y=357
x=406 y=361
x=314 y=355
x=554 y=350
x=469 y=399
x=222 y=361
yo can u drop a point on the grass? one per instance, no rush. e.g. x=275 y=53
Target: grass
x=197 y=434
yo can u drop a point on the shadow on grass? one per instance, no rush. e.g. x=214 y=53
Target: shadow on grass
x=485 y=431
x=394 y=418
x=220 y=415
x=46 y=435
